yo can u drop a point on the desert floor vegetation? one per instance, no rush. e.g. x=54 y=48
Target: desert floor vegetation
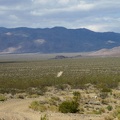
x=20 y=76
x=87 y=86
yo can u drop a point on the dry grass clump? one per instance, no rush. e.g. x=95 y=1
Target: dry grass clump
x=45 y=117
x=116 y=112
x=109 y=117
x=35 y=105
x=48 y=104
x=2 y=98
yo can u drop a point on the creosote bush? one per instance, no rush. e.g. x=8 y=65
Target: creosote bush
x=69 y=107
x=109 y=107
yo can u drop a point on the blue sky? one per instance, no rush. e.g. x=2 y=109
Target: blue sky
x=96 y=15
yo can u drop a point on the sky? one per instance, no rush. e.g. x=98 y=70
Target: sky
x=96 y=15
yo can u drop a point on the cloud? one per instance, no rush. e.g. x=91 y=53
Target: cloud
x=70 y=7
x=8 y=33
x=11 y=49
x=63 y=2
x=95 y=27
x=39 y=41
x=110 y=42
x=98 y=15
x=40 y=1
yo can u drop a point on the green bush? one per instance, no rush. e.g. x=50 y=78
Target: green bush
x=109 y=107
x=69 y=107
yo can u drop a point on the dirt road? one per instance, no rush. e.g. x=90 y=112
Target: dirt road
x=18 y=109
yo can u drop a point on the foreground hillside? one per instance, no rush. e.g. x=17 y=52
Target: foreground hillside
x=55 y=40
x=91 y=108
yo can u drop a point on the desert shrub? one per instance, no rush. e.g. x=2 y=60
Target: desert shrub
x=97 y=112
x=81 y=110
x=105 y=89
x=21 y=96
x=13 y=91
x=118 y=110
x=116 y=113
x=77 y=96
x=35 y=105
x=109 y=118
x=105 y=102
x=116 y=95
x=38 y=91
x=46 y=105
x=45 y=117
x=53 y=108
x=102 y=110
x=118 y=116
x=69 y=107
x=54 y=100
x=109 y=107
x=2 y=98
x=103 y=95
x=61 y=86
x=33 y=96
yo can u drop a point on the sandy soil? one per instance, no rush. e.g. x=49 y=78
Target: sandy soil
x=17 y=109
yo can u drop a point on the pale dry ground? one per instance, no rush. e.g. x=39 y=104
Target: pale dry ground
x=17 y=109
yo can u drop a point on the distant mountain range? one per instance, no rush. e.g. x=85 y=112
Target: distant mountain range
x=55 y=40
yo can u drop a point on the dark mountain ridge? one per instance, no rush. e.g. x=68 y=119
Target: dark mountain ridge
x=55 y=40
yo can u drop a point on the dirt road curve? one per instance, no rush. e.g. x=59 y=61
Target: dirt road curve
x=17 y=109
